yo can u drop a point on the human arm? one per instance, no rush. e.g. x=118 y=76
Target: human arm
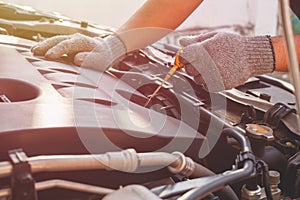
x=281 y=57
x=154 y=20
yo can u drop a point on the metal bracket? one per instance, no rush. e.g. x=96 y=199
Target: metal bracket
x=273 y=116
x=22 y=182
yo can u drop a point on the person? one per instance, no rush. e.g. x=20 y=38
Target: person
x=217 y=60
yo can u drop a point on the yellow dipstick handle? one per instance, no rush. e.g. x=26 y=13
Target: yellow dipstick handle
x=177 y=64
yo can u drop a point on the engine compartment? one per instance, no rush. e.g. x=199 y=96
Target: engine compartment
x=54 y=108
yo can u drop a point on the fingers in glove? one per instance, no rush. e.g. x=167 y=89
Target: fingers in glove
x=80 y=58
x=199 y=80
x=73 y=45
x=210 y=84
x=190 y=70
x=92 y=60
x=200 y=61
x=195 y=39
x=41 y=48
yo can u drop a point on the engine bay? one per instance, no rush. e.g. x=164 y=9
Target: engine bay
x=72 y=133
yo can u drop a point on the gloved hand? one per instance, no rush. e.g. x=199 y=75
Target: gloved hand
x=221 y=61
x=95 y=53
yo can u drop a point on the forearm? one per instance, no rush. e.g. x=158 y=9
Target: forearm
x=154 y=20
x=281 y=57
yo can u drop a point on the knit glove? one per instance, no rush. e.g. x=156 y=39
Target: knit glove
x=221 y=61
x=90 y=52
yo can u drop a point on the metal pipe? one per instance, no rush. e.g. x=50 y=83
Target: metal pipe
x=73 y=186
x=69 y=185
x=57 y=163
x=291 y=51
x=66 y=163
x=155 y=159
x=127 y=160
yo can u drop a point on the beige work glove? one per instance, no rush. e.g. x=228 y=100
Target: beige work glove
x=221 y=61
x=89 y=52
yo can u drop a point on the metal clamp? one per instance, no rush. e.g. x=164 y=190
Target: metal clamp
x=186 y=166
x=22 y=182
x=242 y=157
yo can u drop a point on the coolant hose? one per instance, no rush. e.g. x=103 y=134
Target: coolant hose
x=226 y=193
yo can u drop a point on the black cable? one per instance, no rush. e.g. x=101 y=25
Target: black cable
x=265 y=177
x=222 y=180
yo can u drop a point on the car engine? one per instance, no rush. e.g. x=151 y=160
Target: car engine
x=73 y=133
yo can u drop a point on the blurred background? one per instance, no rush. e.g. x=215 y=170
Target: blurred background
x=113 y=13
